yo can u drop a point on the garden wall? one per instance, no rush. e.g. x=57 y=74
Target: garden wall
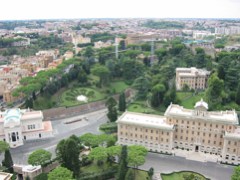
x=62 y=112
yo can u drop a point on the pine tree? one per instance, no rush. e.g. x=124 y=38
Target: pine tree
x=237 y=98
x=122 y=170
x=34 y=95
x=8 y=162
x=112 y=110
x=122 y=102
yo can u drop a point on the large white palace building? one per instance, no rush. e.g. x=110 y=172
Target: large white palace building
x=17 y=126
x=198 y=130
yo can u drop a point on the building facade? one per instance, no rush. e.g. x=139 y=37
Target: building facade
x=195 y=78
x=197 y=130
x=17 y=126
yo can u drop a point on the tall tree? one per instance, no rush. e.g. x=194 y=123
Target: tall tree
x=112 y=110
x=237 y=97
x=34 y=95
x=122 y=102
x=68 y=152
x=215 y=91
x=60 y=173
x=8 y=162
x=150 y=173
x=39 y=157
x=3 y=146
x=122 y=170
x=142 y=85
x=103 y=73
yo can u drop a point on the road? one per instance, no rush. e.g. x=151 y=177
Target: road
x=61 y=131
x=167 y=164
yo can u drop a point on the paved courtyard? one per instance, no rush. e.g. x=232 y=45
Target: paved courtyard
x=167 y=164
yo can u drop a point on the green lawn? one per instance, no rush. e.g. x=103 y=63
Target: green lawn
x=184 y=95
x=141 y=175
x=93 y=168
x=119 y=86
x=141 y=107
x=189 y=101
x=68 y=98
x=180 y=175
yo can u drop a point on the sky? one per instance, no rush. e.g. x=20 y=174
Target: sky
x=68 y=9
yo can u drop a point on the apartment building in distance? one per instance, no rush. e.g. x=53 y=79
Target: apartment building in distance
x=195 y=78
x=197 y=130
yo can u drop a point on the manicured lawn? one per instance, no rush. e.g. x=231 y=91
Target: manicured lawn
x=94 y=168
x=141 y=175
x=184 y=95
x=180 y=175
x=141 y=107
x=190 y=102
x=69 y=97
x=119 y=86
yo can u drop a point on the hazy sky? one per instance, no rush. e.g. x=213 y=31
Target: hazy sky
x=54 y=9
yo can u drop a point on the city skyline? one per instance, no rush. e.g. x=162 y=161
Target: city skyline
x=73 y=9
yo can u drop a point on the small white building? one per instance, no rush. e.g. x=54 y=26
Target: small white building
x=17 y=126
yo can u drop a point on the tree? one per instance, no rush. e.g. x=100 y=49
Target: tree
x=150 y=172
x=82 y=76
x=237 y=97
x=60 y=173
x=142 y=85
x=112 y=110
x=39 y=157
x=29 y=103
x=8 y=162
x=122 y=45
x=221 y=72
x=236 y=173
x=89 y=52
x=122 y=170
x=103 y=73
x=185 y=88
x=122 y=102
x=34 y=95
x=68 y=153
x=215 y=91
x=157 y=95
x=3 y=146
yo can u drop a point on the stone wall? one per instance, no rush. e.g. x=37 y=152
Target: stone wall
x=62 y=112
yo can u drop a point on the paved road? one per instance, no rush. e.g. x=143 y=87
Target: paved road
x=167 y=164
x=89 y=123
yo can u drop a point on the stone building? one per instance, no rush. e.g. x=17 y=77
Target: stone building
x=195 y=78
x=17 y=126
x=197 y=130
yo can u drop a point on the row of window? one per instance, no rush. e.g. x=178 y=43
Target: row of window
x=146 y=137
x=146 y=130
x=198 y=133
x=32 y=126
x=199 y=123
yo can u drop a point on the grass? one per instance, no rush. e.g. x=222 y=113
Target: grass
x=189 y=101
x=119 y=86
x=180 y=175
x=141 y=175
x=183 y=95
x=94 y=168
x=141 y=107
x=68 y=98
